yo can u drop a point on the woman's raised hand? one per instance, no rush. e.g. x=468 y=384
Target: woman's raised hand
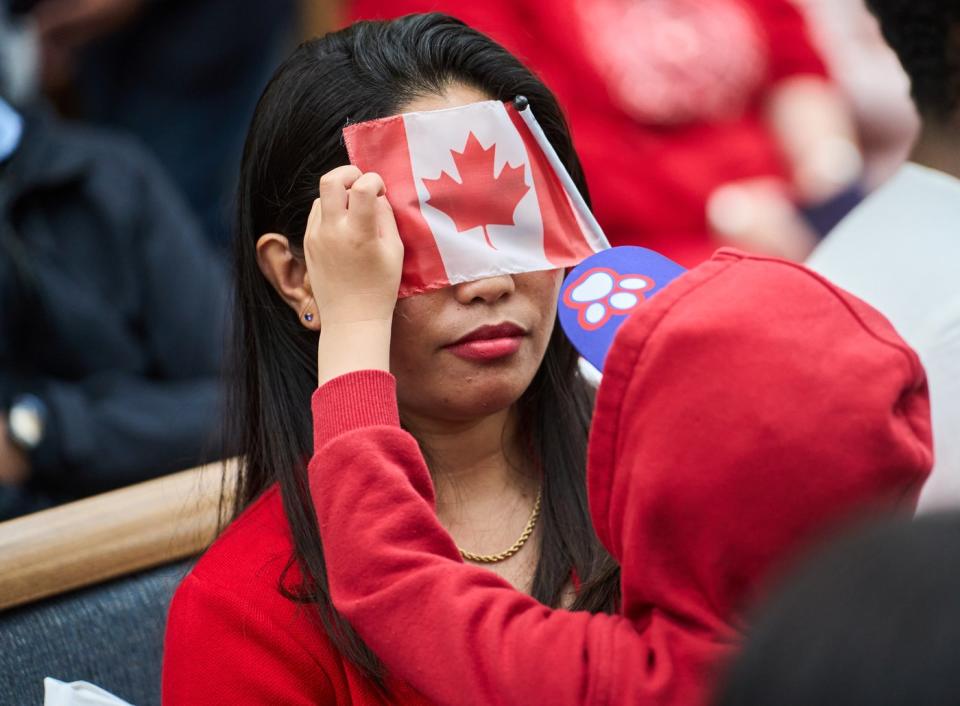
x=353 y=251
x=354 y=260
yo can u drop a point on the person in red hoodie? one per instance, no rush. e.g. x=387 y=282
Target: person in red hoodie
x=698 y=121
x=746 y=412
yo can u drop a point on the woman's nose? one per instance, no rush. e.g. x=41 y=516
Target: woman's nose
x=487 y=290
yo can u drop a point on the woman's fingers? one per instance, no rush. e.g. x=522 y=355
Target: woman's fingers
x=333 y=190
x=314 y=218
x=352 y=247
x=386 y=221
x=362 y=206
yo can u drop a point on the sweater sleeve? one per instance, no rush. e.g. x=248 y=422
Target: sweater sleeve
x=458 y=633
x=220 y=649
x=113 y=428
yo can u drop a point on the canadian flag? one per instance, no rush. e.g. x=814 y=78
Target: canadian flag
x=477 y=191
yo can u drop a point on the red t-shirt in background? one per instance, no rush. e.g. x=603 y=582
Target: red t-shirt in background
x=649 y=181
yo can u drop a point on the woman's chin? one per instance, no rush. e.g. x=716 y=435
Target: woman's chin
x=484 y=398
x=480 y=404
x=472 y=397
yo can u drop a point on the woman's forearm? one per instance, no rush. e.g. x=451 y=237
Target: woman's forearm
x=347 y=348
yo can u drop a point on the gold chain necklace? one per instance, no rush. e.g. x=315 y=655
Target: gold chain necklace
x=517 y=546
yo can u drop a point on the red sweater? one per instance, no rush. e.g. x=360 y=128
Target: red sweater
x=649 y=182
x=749 y=408
x=232 y=638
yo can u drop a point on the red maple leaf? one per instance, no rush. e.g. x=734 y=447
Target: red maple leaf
x=480 y=198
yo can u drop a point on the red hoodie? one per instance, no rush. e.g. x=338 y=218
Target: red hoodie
x=748 y=409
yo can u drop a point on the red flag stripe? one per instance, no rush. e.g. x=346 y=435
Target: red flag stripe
x=422 y=265
x=559 y=220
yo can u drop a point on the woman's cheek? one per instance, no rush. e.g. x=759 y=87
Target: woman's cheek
x=414 y=341
x=542 y=289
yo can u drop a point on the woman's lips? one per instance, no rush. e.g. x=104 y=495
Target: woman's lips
x=489 y=342
x=489 y=349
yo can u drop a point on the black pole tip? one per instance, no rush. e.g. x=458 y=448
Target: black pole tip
x=521 y=103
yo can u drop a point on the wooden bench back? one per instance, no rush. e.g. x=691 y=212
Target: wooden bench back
x=109 y=535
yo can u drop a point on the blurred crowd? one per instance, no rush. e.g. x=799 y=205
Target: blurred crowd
x=777 y=126
x=122 y=123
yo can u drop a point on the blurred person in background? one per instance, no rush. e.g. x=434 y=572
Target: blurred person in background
x=873 y=621
x=870 y=76
x=111 y=319
x=181 y=75
x=698 y=121
x=900 y=249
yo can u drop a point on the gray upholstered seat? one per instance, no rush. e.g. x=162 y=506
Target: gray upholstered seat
x=110 y=634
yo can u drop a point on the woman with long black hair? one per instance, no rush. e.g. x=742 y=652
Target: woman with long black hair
x=505 y=435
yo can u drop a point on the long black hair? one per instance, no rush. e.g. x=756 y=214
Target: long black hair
x=370 y=70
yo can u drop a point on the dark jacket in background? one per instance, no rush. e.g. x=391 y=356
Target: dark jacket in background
x=183 y=76
x=112 y=313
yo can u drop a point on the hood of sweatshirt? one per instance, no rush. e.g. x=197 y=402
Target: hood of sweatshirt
x=746 y=411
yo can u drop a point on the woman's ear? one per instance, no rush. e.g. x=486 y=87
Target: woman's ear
x=288 y=275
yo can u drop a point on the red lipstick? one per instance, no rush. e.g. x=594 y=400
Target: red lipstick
x=489 y=342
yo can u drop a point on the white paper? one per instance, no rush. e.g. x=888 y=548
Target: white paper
x=77 y=693
x=590 y=373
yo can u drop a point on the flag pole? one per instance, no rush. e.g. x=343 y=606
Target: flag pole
x=522 y=106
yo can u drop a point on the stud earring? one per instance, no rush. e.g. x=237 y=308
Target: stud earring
x=308 y=317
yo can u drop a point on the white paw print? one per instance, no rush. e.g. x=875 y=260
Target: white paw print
x=601 y=293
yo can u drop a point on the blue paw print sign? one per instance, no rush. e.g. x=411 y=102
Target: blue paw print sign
x=602 y=291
